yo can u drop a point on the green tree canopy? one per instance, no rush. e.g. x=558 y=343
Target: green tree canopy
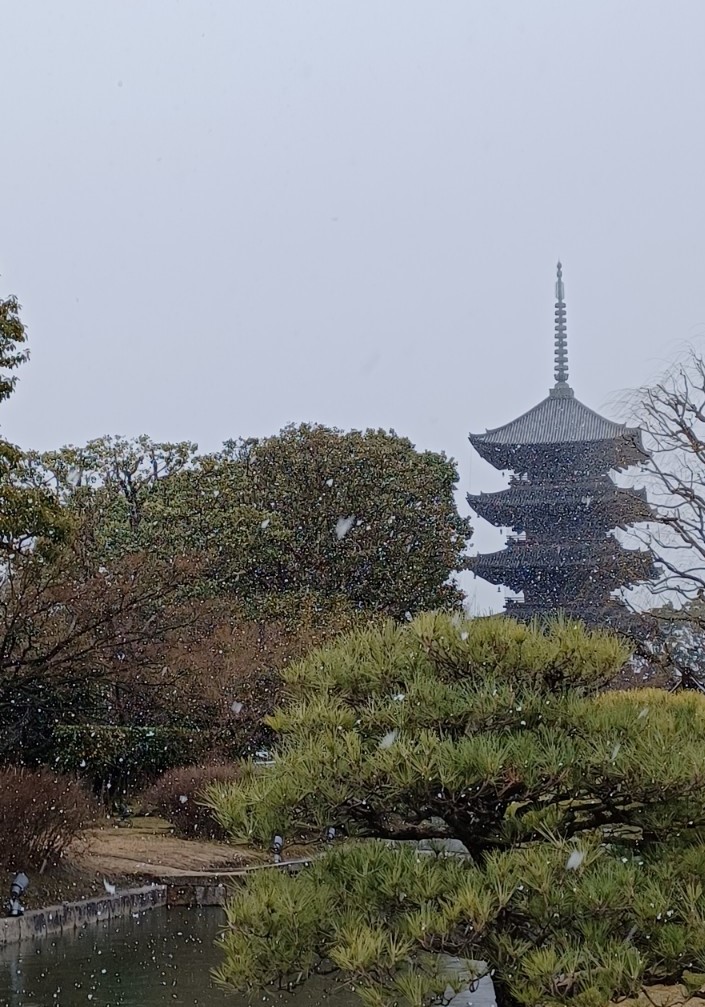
x=582 y=812
x=29 y=516
x=366 y=515
x=107 y=485
x=312 y=511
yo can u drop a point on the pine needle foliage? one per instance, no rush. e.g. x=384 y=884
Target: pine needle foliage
x=583 y=812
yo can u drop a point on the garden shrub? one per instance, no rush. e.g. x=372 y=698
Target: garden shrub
x=118 y=760
x=177 y=797
x=40 y=814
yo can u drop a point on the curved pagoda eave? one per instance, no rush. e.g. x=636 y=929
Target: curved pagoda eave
x=609 y=612
x=545 y=583
x=579 y=456
x=558 y=430
x=522 y=567
x=523 y=506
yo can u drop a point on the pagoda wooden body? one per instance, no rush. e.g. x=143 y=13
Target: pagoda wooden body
x=561 y=505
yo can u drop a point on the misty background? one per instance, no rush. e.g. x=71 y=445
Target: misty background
x=223 y=217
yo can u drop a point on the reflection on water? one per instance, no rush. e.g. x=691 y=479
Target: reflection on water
x=160 y=957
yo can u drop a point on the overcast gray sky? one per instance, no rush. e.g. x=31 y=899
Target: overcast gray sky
x=225 y=216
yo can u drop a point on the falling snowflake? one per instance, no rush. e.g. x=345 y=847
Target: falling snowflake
x=236 y=707
x=329 y=482
x=110 y=889
x=575 y=860
x=389 y=739
x=343 y=526
x=183 y=799
x=265 y=523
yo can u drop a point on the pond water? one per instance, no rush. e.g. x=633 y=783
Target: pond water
x=160 y=957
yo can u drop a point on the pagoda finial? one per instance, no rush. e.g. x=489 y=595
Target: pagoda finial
x=561 y=337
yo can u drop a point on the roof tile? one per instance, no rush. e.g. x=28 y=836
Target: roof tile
x=557 y=419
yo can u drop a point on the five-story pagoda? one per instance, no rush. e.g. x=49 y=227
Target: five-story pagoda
x=561 y=504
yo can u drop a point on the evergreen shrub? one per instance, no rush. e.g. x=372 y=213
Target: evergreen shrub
x=583 y=811
x=118 y=760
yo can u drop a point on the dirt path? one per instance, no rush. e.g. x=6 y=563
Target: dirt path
x=148 y=847
x=129 y=856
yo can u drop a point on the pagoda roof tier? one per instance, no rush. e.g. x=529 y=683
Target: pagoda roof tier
x=608 y=612
x=559 y=420
x=525 y=564
x=511 y=507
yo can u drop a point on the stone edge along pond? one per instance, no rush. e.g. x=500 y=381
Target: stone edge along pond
x=205 y=889
x=71 y=916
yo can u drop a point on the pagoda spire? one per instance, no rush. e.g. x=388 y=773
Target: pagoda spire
x=561 y=339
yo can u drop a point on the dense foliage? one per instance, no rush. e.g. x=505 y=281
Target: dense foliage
x=29 y=516
x=582 y=810
x=457 y=720
x=359 y=517
x=118 y=759
x=183 y=583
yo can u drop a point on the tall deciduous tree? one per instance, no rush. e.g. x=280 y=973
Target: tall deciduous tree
x=79 y=643
x=103 y=616
x=672 y=416
x=70 y=627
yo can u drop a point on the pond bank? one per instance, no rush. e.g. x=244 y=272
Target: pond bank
x=140 y=859
x=71 y=916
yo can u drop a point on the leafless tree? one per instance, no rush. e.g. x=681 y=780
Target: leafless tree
x=671 y=414
x=672 y=417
